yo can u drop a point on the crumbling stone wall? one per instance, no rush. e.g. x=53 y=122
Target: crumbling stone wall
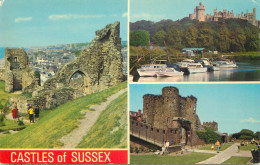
x=213 y=125
x=18 y=75
x=100 y=64
x=2 y=74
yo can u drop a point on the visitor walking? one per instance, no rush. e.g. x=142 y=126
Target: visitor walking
x=218 y=145
x=37 y=113
x=30 y=111
x=14 y=112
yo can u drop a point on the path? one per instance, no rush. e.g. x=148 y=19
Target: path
x=221 y=156
x=73 y=139
x=9 y=116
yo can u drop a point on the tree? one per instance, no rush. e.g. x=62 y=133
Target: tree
x=139 y=38
x=174 y=38
x=223 y=39
x=246 y=134
x=206 y=37
x=252 y=42
x=257 y=135
x=238 y=39
x=159 y=38
x=191 y=36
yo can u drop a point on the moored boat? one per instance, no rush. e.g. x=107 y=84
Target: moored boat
x=158 y=68
x=196 y=68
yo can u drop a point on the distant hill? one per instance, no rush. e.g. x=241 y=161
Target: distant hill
x=225 y=35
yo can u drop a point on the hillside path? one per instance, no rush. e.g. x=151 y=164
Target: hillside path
x=10 y=117
x=73 y=139
x=221 y=156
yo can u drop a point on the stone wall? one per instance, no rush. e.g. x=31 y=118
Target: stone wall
x=213 y=125
x=100 y=64
x=158 y=109
x=18 y=75
x=2 y=74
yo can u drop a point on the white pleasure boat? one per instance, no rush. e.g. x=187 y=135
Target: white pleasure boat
x=197 y=68
x=158 y=68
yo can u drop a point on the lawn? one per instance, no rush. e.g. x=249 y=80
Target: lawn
x=110 y=127
x=156 y=159
x=56 y=123
x=237 y=160
x=249 y=147
x=222 y=147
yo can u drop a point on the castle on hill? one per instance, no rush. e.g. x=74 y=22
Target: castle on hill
x=199 y=14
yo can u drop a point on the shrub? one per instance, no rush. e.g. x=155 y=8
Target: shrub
x=2 y=117
x=210 y=136
x=37 y=74
x=20 y=122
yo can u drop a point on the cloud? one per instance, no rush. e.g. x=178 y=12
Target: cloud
x=250 y=120
x=125 y=14
x=22 y=19
x=1 y=2
x=146 y=16
x=72 y=16
x=257 y=2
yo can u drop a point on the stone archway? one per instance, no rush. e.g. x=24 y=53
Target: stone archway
x=78 y=81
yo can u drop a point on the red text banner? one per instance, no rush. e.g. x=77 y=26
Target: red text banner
x=64 y=156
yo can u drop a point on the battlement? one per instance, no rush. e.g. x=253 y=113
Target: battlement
x=199 y=14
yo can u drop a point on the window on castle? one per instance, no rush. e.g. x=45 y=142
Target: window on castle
x=158 y=130
x=151 y=129
x=147 y=105
x=163 y=131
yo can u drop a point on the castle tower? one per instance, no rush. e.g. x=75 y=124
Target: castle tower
x=171 y=101
x=200 y=12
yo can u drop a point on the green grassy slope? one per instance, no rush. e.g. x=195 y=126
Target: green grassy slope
x=56 y=123
x=110 y=127
x=4 y=95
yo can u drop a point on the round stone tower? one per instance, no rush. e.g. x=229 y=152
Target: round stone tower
x=171 y=101
x=200 y=12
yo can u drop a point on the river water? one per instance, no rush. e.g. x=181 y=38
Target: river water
x=246 y=71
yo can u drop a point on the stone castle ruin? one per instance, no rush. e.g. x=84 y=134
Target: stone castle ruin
x=97 y=68
x=199 y=14
x=17 y=74
x=168 y=117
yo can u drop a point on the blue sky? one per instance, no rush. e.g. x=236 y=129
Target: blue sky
x=46 y=22
x=233 y=106
x=156 y=10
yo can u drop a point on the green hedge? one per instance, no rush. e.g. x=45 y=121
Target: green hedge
x=210 y=136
